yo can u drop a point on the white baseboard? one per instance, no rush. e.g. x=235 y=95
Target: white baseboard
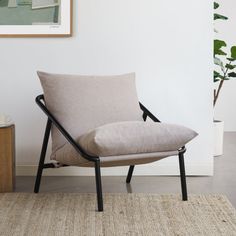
x=148 y=170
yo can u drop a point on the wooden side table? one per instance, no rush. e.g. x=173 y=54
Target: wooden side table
x=7 y=158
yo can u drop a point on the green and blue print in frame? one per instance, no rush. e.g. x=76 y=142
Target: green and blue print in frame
x=35 y=18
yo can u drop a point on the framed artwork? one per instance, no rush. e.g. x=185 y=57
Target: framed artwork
x=35 y=18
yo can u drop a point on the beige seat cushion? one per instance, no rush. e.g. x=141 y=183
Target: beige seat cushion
x=82 y=103
x=133 y=137
x=127 y=143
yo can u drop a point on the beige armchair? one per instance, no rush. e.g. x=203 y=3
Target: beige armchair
x=97 y=121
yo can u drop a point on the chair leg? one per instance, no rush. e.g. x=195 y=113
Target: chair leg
x=42 y=156
x=98 y=186
x=183 y=177
x=130 y=173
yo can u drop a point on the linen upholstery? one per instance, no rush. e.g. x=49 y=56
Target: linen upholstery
x=127 y=143
x=83 y=103
x=133 y=137
x=69 y=156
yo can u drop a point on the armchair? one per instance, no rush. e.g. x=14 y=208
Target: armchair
x=113 y=130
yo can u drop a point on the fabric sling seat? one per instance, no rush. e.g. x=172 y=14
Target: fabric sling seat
x=132 y=142
x=98 y=121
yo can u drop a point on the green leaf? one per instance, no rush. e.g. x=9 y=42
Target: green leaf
x=230 y=67
x=233 y=52
x=230 y=59
x=218 y=44
x=217 y=75
x=220 y=17
x=216 y=5
x=232 y=74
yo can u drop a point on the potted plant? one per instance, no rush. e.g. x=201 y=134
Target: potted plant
x=225 y=69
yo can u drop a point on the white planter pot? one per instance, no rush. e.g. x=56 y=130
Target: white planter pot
x=218 y=137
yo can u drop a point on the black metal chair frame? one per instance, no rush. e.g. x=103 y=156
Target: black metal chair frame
x=95 y=159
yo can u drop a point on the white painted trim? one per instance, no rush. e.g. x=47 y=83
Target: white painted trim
x=195 y=170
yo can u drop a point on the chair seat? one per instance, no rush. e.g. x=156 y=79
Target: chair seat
x=122 y=143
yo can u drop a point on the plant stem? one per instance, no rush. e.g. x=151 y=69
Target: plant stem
x=217 y=92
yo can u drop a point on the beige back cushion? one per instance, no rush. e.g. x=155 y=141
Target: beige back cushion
x=83 y=103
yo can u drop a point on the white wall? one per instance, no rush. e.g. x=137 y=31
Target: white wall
x=225 y=109
x=167 y=43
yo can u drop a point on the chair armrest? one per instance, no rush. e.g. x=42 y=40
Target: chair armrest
x=77 y=147
x=147 y=113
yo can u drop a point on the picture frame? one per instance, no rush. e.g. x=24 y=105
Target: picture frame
x=36 y=18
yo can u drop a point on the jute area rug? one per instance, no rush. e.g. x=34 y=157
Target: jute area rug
x=72 y=214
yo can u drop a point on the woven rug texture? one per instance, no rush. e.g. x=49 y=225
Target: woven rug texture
x=72 y=214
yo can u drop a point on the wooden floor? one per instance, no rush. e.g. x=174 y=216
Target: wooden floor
x=223 y=181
